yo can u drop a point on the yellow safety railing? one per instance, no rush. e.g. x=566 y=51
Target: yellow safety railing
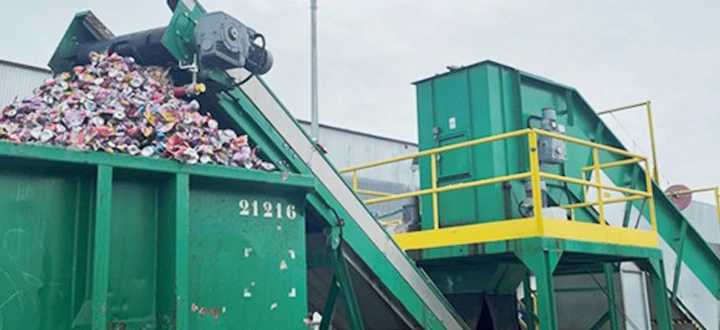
x=535 y=175
x=651 y=131
x=715 y=190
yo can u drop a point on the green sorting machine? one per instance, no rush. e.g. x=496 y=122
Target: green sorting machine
x=475 y=242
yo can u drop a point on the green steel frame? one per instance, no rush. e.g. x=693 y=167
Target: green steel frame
x=541 y=258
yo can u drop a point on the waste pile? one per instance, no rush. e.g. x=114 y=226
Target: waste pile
x=115 y=105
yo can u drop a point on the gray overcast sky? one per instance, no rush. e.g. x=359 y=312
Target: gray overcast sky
x=613 y=52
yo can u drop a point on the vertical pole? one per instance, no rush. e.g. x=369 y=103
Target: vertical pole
x=598 y=180
x=433 y=177
x=585 y=188
x=610 y=288
x=717 y=203
x=355 y=181
x=651 y=199
x=656 y=176
x=182 y=253
x=101 y=258
x=314 y=124
x=535 y=181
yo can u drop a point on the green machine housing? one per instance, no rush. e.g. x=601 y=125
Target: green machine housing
x=487 y=99
x=477 y=101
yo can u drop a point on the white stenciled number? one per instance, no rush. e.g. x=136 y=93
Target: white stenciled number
x=267 y=206
x=290 y=212
x=269 y=210
x=255 y=208
x=244 y=207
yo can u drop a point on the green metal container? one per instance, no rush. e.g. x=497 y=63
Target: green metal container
x=456 y=107
x=119 y=242
x=477 y=101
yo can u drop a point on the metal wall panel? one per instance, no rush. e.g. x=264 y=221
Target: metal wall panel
x=704 y=218
x=348 y=148
x=18 y=80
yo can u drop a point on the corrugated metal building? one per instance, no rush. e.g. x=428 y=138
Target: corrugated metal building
x=704 y=218
x=19 y=80
x=347 y=148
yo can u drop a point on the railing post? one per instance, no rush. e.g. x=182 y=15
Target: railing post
x=585 y=189
x=535 y=181
x=433 y=177
x=598 y=180
x=717 y=203
x=355 y=181
x=656 y=176
x=651 y=199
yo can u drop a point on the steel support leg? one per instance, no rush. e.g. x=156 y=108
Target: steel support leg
x=678 y=259
x=542 y=264
x=661 y=301
x=348 y=292
x=329 y=309
x=341 y=282
x=610 y=288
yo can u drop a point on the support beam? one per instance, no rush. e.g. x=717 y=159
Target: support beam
x=679 y=258
x=342 y=278
x=101 y=258
x=342 y=274
x=629 y=205
x=656 y=274
x=610 y=287
x=542 y=263
x=329 y=309
x=181 y=187
x=601 y=321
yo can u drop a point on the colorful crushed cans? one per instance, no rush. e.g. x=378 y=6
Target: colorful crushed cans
x=115 y=105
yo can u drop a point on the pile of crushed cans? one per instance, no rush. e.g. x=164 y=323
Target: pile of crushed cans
x=117 y=106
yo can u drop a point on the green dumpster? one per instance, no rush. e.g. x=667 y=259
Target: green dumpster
x=112 y=241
